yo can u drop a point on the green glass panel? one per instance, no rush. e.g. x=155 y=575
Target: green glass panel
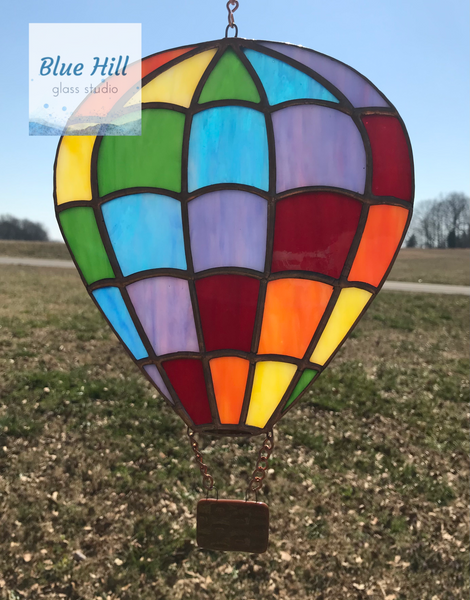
x=152 y=159
x=81 y=232
x=229 y=81
x=303 y=382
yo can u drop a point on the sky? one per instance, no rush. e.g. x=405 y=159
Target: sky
x=415 y=51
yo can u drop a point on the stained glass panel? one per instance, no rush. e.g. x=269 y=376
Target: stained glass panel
x=237 y=136
x=229 y=81
x=82 y=234
x=73 y=181
x=150 y=160
x=382 y=234
x=227 y=305
x=113 y=306
x=187 y=378
x=271 y=381
x=229 y=375
x=228 y=229
x=348 y=307
x=316 y=145
x=155 y=376
x=292 y=310
x=282 y=82
x=177 y=84
x=146 y=232
x=391 y=164
x=354 y=86
x=314 y=232
x=303 y=382
x=163 y=305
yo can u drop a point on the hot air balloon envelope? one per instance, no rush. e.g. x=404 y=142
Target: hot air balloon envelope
x=234 y=244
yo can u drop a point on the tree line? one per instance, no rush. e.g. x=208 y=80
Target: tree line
x=12 y=228
x=441 y=223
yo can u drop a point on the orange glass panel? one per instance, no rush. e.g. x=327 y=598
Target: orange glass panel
x=292 y=311
x=153 y=62
x=382 y=234
x=229 y=375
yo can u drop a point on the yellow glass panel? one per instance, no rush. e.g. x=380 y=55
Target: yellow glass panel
x=73 y=172
x=177 y=85
x=270 y=383
x=348 y=307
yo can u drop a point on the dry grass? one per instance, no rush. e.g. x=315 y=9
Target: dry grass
x=433 y=266
x=368 y=492
x=34 y=249
x=418 y=265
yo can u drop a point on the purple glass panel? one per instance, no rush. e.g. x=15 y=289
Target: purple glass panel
x=155 y=376
x=228 y=229
x=163 y=305
x=353 y=85
x=316 y=145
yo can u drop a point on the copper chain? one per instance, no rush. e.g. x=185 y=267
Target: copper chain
x=231 y=18
x=207 y=480
x=256 y=481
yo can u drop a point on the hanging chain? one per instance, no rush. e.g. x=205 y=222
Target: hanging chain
x=207 y=480
x=256 y=481
x=231 y=18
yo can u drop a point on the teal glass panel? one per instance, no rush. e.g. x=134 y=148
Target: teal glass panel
x=228 y=144
x=113 y=306
x=282 y=82
x=146 y=232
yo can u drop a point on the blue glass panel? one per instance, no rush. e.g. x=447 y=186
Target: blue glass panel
x=155 y=376
x=282 y=82
x=354 y=86
x=228 y=145
x=146 y=232
x=228 y=229
x=113 y=306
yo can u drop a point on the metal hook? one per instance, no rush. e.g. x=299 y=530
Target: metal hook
x=231 y=19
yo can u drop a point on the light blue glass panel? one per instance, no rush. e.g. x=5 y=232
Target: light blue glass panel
x=155 y=376
x=163 y=305
x=354 y=86
x=146 y=232
x=113 y=306
x=282 y=82
x=228 y=144
x=228 y=229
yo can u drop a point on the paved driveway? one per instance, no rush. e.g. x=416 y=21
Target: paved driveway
x=395 y=286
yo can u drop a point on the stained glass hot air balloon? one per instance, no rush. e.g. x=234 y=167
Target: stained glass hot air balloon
x=234 y=244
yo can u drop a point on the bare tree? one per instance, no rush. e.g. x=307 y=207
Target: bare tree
x=443 y=222
x=21 y=229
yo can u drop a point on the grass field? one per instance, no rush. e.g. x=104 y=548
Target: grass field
x=369 y=484
x=433 y=266
x=34 y=249
x=413 y=264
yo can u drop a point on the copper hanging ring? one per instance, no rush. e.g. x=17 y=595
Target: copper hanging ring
x=231 y=27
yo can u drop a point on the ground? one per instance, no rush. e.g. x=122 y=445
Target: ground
x=368 y=484
x=412 y=264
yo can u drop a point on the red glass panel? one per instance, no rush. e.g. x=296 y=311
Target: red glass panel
x=153 y=62
x=314 y=231
x=227 y=305
x=187 y=378
x=391 y=162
